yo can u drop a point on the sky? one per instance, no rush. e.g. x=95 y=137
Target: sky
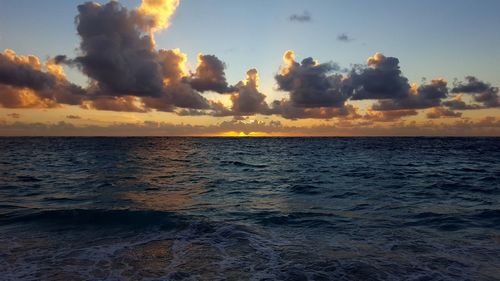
x=249 y=68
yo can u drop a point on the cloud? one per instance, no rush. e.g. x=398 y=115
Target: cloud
x=311 y=84
x=482 y=93
x=302 y=18
x=473 y=85
x=425 y=96
x=458 y=104
x=27 y=83
x=389 y=116
x=210 y=75
x=288 y=111
x=487 y=126
x=381 y=80
x=248 y=100
x=489 y=98
x=115 y=52
x=13 y=97
x=123 y=104
x=440 y=112
x=14 y=115
x=24 y=72
x=344 y=38
x=122 y=61
x=158 y=13
x=128 y=73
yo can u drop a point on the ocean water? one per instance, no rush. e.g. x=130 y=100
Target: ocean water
x=250 y=209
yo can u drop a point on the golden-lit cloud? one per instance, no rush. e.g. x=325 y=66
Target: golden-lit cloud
x=13 y=97
x=442 y=112
x=124 y=104
x=389 y=116
x=26 y=83
x=486 y=126
x=29 y=60
x=55 y=69
x=289 y=60
x=376 y=59
x=158 y=12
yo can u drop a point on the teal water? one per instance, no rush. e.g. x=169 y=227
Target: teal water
x=249 y=209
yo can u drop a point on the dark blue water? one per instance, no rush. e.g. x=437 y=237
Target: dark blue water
x=250 y=209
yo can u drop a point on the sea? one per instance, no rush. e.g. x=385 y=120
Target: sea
x=249 y=208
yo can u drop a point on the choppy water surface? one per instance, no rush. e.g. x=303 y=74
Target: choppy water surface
x=249 y=209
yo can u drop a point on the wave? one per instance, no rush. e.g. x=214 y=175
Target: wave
x=242 y=164
x=95 y=217
x=305 y=189
x=453 y=222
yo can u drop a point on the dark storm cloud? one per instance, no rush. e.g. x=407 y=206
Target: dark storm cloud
x=304 y=17
x=426 y=96
x=210 y=76
x=344 y=38
x=311 y=84
x=381 y=80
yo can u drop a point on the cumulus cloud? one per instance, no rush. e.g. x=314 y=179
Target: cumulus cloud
x=248 y=100
x=27 y=83
x=304 y=17
x=115 y=52
x=383 y=79
x=311 y=84
x=13 y=97
x=286 y=109
x=157 y=13
x=122 y=62
x=482 y=92
x=473 y=85
x=458 y=104
x=425 y=96
x=489 y=98
x=210 y=75
x=24 y=72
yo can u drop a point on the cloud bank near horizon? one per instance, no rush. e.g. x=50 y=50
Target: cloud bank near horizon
x=487 y=126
